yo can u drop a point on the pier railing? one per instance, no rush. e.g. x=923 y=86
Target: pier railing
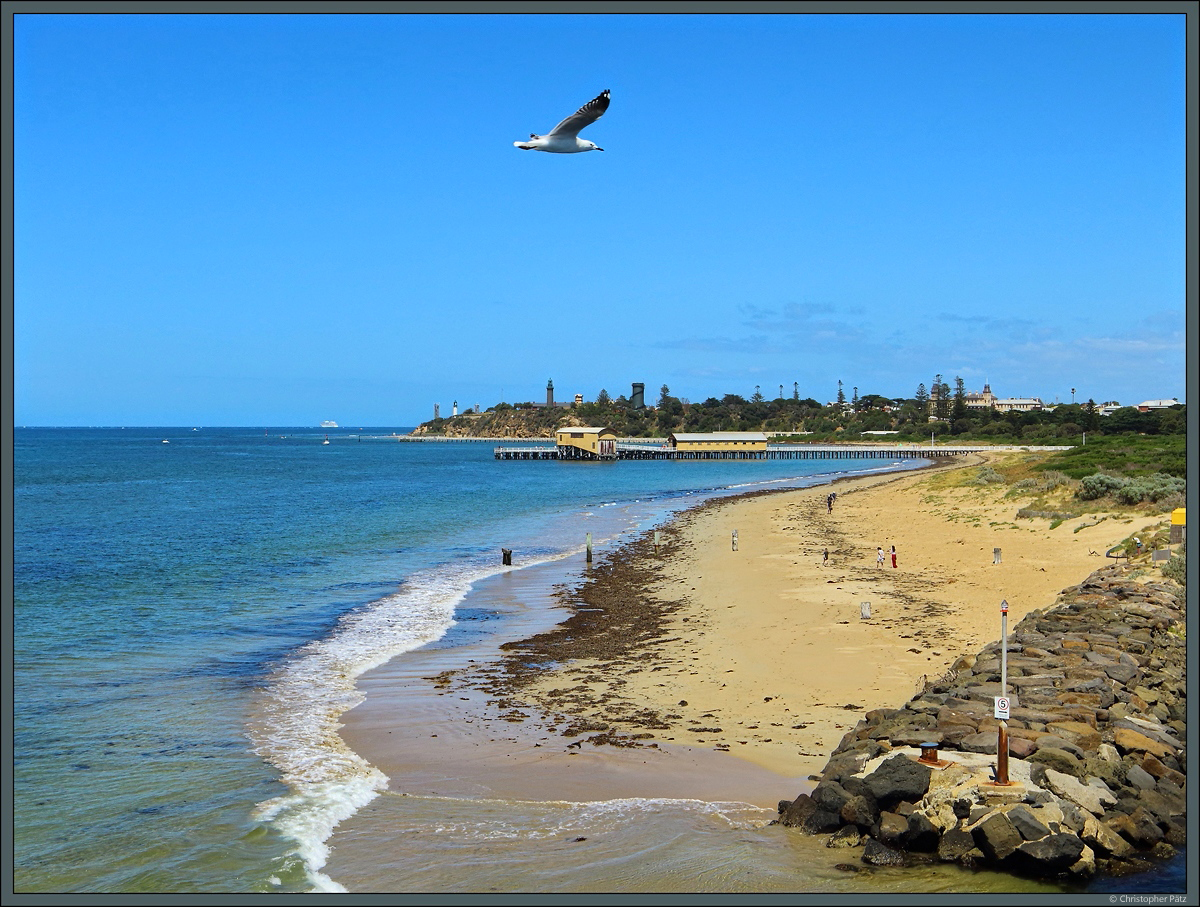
x=631 y=451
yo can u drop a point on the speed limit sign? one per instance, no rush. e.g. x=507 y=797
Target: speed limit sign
x=1001 y=708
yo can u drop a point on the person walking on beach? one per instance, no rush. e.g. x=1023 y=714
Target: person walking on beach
x=893 y=555
x=829 y=502
x=825 y=558
x=879 y=557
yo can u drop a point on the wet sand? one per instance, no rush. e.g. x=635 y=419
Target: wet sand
x=702 y=672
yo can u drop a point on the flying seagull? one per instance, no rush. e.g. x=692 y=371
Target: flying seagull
x=564 y=138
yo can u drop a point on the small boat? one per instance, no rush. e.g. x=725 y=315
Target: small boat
x=165 y=441
x=326 y=441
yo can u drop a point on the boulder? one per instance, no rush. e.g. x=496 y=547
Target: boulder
x=922 y=835
x=876 y=854
x=860 y=811
x=1140 y=778
x=893 y=829
x=1026 y=823
x=1082 y=735
x=830 y=796
x=896 y=779
x=1104 y=840
x=954 y=845
x=846 y=836
x=1095 y=799
x=1049 y=856
x=997 y=837
x=1139 y=828
x=1059 y=760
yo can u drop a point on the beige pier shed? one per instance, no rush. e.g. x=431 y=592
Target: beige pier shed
x=719 y=441
x=579 y=442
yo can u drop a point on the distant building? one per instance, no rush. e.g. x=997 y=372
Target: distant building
x=984 y=399
x=580 y=442
x=1017 y=404
x=721 y=441
x=1148 y=405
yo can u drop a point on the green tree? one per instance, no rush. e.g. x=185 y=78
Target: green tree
x=841 y=397
x=959 y=410
x=602 y=398
x=941 y=395
x=922 y=400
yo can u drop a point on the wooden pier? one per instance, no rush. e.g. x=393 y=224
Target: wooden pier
x=626 y=451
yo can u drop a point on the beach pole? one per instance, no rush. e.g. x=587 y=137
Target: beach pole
x=864 y=609
x=589 y=547
x=995 y=555
x=657 y=539
x=735 y=540
x=1002 y=709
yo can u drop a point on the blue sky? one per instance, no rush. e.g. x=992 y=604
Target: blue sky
x=274 y=220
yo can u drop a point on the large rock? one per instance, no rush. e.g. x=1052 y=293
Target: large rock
x=954 y=845
x=1026 y=823
x=922 y=835
x=846 y=836
x=1104 y=840
x=830 y=796
x=893 y=829
x=1095 y=798
x=1083 y=735
x=896 y=779
x=860 y=811
x=997 y=837
x=876 y=854
x=1049 y=856
x=1059 y=760
x=1131 y=741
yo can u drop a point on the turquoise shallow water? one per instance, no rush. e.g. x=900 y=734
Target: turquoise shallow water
x=189 y=619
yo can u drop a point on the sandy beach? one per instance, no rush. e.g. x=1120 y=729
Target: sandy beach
x=702 y=671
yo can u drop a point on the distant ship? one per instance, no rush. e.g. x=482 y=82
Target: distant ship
x=328 y=424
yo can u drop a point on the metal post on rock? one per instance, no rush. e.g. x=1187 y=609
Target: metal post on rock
x=1002 y=703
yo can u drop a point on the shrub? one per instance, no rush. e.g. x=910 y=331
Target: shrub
x=1098 y=486
x=1176 y=567
x=1052 y=478
x=986 y=475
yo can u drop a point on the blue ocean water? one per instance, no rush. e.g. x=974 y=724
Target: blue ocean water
x=190 y=617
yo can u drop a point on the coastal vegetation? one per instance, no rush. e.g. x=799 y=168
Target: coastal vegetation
x=1126 y=458
x=909 y=419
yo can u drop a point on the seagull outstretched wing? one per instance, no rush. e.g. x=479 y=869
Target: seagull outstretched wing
x=584 y=116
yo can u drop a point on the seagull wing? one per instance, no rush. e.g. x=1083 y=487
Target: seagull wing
x=584 y=116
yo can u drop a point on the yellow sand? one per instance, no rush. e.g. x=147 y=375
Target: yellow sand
x=770 y=652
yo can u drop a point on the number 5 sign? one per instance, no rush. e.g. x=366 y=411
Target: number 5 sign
x=1001 y=708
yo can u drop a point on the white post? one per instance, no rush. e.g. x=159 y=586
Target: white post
x=735 y=540
x=589 y=547
x=1004 y=647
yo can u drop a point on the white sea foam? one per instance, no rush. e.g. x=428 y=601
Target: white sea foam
x=297 y=728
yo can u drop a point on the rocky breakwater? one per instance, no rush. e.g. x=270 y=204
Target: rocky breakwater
x=1096 y=740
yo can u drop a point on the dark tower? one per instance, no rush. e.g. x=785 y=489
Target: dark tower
x=638 y=398
x=550 y=394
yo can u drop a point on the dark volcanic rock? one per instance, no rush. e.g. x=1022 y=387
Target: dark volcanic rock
x=876 y=854
x=1026 y=823
x=860 y=811
x=898 y=778
x=997 y=837
x=1051 y=855
x=954 y=845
